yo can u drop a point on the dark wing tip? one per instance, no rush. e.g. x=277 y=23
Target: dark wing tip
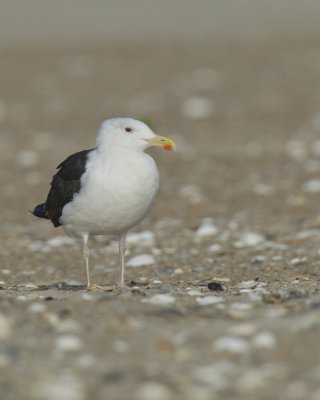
x=40 y=211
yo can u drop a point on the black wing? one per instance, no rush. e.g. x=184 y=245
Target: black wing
x=65 y=183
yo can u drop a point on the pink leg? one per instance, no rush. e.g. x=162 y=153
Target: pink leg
x=122 y=252
x=86 y=254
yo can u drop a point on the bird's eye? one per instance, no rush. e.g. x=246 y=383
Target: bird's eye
x=128 y=129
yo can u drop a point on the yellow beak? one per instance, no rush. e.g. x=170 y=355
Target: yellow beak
x=162 y=141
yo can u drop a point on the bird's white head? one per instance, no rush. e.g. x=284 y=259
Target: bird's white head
x=131 y=134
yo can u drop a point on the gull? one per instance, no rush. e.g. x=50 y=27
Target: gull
x=106 y=190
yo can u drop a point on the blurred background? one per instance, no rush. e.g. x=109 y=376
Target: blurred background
x=82 y=22
x=216 y=75
x=237 y=85
x=238 y=78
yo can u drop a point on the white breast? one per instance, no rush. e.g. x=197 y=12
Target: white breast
x=117 y=191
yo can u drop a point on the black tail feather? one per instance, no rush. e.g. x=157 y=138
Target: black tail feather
x=40 y=211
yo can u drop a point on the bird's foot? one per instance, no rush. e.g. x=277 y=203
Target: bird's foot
x=96 y=288
x=119 y=287
x=122 y=287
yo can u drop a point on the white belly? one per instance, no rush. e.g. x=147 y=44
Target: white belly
x=115 y=195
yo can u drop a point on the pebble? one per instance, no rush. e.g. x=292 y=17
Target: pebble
x=243 y=330
x=259 y=259
x=153 y=391
x=30 y=286
x=296 y=149
x=247 y=284
x=160 y=299
x=240 y=310
x=165 y=223
x=261 y=189
x=6 y=271
x=215 y=286
x=276 y=246
x=192 y=193
x=144 y=238
x=165 y=287
x=38 y=245
x=256 y=294
x=73 y=282
x=69 y=343
x=29 y=297
x=194 y=292
x=64 y=386
x=264 y=340
x=297 y=260
x=199 y=267
x=221 y=279
x=306 y=234
x=276 y=312
x=156 y=252
x=224 y=236
x=217 y=375
x=241 y=306
x=198 y=108
x=90 y=296
x=169 y=250
x=86 y=360
x=248 y=239
x=252 y=380
x=141 y=260
x=120 y=346
x=207 y=228
x=231 y=344
x=296 y=200
x=37 y=307
x=311 y=186
x=27 y=158
x=21 y=298
x=64 y=326
x=209 y=300
x=48 y=298
x=33 y=178
x=58 y=241
x=214 y=248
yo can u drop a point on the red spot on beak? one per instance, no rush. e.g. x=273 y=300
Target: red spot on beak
x=167 y=147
